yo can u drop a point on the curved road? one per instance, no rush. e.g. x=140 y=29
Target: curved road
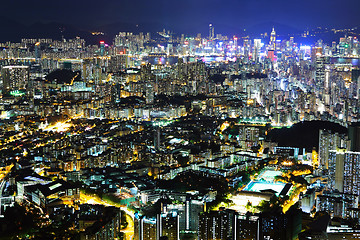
x=129 y=230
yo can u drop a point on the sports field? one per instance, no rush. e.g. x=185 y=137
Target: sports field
x=269 y=175
x=258 y=186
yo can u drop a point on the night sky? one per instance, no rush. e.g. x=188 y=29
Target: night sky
x=187 y=14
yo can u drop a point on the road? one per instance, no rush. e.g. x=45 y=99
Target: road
x=5 y=178
x=129 y=230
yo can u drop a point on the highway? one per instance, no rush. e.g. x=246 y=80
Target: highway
x=4 y=178
x=129 y=230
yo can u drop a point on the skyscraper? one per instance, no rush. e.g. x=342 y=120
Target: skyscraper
x=336 y=169
x=329 y=140
x=15 y=78
x=149 y=93
x=247 y=226
x=211 y=32
x=37 y=51
x=145 y=228
x=216 y=225
x=343 y=171
x=351 y=173
x=271 y=55
x=165 y=224
x=320 y=70
x=272 y=39
x=102 y=48
x=257 y=46
x=354 y=135
x=168 y=225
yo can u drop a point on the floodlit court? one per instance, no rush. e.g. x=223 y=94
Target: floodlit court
x=243 y=198
x=259 y=186
x=255 y=191
x=269 y=175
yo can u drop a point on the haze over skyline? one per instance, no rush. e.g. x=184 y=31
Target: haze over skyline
x=182 y=15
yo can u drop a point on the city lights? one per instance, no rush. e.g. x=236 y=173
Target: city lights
x=127 y=131
x=58 y=127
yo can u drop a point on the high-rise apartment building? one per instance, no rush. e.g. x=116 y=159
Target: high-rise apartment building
x=354 y=135
x=351 y=173
x=165 y=224
x=337 y=204
x=15 y=78
x=329 y=140
x=149 y=94
x=344 y=171
x=216 y=225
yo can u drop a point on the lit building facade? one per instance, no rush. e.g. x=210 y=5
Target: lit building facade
x=15 y=78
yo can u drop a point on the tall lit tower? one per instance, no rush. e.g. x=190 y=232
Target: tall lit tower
x=235 y=42
x=37 y=51
x=320 y=69
x=211 y=32
x=149 y=93
x=257 y=46
x=102 y=48
x=272 y=39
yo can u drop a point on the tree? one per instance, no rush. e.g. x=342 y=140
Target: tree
x=248 y=205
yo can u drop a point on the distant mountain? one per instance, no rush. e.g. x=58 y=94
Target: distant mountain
x=14 y=31
x=11 y=30
x=153 y=27
x=115 y=28
x=280 y=29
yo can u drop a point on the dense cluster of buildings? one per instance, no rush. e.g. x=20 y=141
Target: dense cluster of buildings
x=119 y=120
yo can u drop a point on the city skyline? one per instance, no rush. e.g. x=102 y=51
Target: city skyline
x=179 y=124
